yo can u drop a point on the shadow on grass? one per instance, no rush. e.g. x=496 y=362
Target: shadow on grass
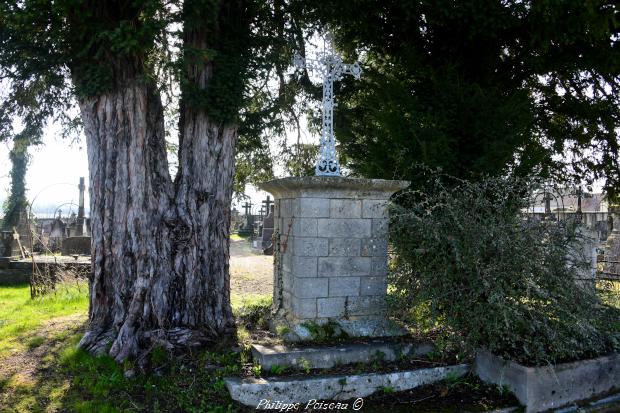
x=65 y=378
x=61 y=378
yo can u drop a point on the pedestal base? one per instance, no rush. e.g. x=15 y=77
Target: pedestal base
x=331 y=255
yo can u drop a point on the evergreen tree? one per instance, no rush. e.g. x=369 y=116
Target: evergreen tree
x=478 y=87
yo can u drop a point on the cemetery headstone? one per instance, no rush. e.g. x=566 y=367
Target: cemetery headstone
x=247 y=224
x=267 y=233
x=612 y=246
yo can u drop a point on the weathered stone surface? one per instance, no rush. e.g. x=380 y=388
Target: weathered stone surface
x=304 y=266
x=310 y=287
x=331 y=233
x=302 y=332
x=373 y=286
x=332 y=187
x=313 y=207
x=287 y=282
x=305 y=308
x=251 y=391
x=311 y=247
x=344 y=266
x=344 y=228
x=379 y=267
x=374 y=247
x=324 y=357
x=344 y=247
x=289 y=208
x=345 y=208
x=366 y=305
x=373 y=208
x=550 y=387
x=344 y=286
x=302 y=227
x=371 y=327
x=76 y=245
x=380 y=228
x=330 y=307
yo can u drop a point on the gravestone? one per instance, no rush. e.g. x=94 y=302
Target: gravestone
x=584 y=258
x=6 y=241
x=612 y=246
x=330 y=253
x=21 y=236
x=247 y=224
x=264 y=242
x=76 y=246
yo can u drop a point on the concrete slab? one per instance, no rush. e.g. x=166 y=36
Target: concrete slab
x=544 y=388
x=324 y=357
x=251 y=392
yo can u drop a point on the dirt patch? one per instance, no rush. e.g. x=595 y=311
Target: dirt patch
x=251 y=273
x=22 y=370
x=40 y=344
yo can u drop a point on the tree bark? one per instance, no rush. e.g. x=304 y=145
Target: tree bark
x=160 y=259
x=160 y=248
x=204 y=185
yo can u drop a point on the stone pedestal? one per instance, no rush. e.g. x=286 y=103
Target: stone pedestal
x=330 y=253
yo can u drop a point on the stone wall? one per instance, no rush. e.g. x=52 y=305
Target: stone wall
x=334 y=258
x=11 y=275
x=331 y=261
x=76 y=245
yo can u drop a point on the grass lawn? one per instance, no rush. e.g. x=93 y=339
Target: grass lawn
x=21 y=317
x=41 y=369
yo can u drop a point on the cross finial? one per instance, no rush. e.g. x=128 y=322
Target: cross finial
x=330 y=67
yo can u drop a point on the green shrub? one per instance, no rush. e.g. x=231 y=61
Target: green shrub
x=470 y=258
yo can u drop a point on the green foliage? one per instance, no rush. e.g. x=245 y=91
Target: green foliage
x=277 y=369
x=74 y=381
x=324 y=332
x=99 y=384
x=16 y=202
x=305 y=365
x=474 y=262
x=253 y=313
x=256 y=369
x=35 y=342
x=478 y=87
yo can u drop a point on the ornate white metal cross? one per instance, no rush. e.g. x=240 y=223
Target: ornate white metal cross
x=329 y=66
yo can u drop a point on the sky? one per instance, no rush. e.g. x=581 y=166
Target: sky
x=53 y=173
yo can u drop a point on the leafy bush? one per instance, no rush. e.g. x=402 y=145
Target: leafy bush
x=470 y=258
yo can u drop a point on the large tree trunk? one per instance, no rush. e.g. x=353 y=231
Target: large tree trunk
x=160 y=249
x=160 y=264
x=130 y=208
x=204 y=186
x=204 y=190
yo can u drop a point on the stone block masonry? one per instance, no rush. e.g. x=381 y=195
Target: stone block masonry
x=331 y=264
